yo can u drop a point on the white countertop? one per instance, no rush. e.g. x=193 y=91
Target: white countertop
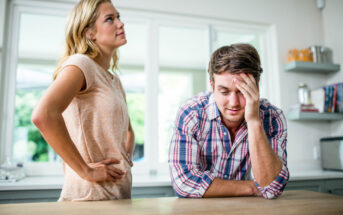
x=56 y=182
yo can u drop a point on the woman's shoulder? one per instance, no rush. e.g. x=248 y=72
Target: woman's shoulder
x=78 y=58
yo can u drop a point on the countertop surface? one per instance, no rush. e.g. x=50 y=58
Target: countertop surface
x=290 y=202
x=56 y=182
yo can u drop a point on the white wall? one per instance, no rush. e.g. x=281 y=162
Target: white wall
x=298 y=25
x=333 y=37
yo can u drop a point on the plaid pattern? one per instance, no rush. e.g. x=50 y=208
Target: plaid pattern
x=201 y=149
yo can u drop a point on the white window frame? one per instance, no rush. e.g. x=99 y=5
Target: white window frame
x=150 y=166
x=17 y=8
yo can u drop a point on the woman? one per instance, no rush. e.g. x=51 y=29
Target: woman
x=83 y=114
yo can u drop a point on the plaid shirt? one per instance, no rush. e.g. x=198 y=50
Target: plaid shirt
x=201 y=148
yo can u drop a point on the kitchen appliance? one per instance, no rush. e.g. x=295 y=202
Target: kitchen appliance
x=332 y=153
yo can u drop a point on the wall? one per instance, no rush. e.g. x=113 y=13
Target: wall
x=298 y=24
x=333 y=38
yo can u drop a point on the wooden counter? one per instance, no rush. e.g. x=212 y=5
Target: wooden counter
x=291 y=202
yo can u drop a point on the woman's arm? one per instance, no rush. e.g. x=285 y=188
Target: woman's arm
x=130 y=143
x=47 y=116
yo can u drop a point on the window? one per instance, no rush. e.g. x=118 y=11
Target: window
x=163 y=64
x=182 y=74
x=38 y=49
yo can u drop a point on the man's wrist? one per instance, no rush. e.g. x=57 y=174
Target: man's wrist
x=254 y=123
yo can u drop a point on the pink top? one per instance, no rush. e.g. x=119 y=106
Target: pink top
x=97 y=121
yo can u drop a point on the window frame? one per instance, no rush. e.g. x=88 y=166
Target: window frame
x=153 y=20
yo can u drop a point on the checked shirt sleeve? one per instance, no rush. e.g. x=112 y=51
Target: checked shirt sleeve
x=278 y=139
x=187 y=180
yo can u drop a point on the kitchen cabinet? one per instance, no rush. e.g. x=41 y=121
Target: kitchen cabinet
x=334 y=187
x=290 y=202
x=331 y=185
x=52 y=195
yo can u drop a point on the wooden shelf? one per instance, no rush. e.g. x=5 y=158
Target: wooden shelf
x=297 y=115
x=299 y=66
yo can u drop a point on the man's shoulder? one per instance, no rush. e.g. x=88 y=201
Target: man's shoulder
x=197 y=102
x=268 y=109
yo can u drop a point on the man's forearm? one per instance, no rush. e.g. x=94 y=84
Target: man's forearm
x=266 y=165
x=226 y=188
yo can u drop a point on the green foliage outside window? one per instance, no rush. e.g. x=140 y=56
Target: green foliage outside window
x=136 y=104
x=25 y=102
x=38 y=149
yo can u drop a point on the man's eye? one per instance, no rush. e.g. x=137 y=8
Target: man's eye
x=118 y=17
x=224 y=93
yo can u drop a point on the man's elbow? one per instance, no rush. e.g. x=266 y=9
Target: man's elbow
x=182 y=192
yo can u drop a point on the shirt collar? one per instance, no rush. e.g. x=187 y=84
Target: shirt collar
x=213 y=112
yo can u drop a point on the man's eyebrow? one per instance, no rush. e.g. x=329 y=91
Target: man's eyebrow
x=222 y=87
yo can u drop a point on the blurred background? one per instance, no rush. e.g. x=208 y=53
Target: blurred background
x=164 y=63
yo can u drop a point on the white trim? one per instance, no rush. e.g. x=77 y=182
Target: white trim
x=151 y=119
x=2 y=21
x=9 y=82
x=271 y=66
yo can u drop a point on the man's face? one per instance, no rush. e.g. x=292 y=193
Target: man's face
x=230 y=101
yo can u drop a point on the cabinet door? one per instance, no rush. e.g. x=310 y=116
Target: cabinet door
x=312 y=185
x=334 y=186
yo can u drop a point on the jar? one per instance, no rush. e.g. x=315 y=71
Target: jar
x=303 y=94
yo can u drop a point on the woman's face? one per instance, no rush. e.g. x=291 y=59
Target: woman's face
x=109 y=32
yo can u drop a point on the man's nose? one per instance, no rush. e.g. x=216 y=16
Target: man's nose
x=234 y=99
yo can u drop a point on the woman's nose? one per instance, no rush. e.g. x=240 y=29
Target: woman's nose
x=120 y=24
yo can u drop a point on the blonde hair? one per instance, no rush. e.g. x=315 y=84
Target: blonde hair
x=82 y=16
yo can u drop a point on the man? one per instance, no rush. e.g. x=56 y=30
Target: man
x=220 y=136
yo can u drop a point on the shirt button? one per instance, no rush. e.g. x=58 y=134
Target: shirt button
x=225 y=133
x=225 y=176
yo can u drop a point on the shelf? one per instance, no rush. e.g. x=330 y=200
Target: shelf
x=296 y=115
x=300 y=66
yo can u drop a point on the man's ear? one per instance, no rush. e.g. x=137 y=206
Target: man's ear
x=212 y=85
x=89 y=34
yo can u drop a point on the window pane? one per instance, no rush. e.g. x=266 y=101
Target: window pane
x=29 y=145
x=40 y=44
x=183 y=47
x=183 y=58
x=131 y=63
x=133 y=80
x=228 y=38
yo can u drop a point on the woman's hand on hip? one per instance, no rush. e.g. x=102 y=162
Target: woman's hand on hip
x=104 y=171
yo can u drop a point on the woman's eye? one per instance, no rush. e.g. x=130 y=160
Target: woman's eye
x=109 y=19
x=118 y=17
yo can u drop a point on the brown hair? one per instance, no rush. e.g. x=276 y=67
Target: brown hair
x=82 y=16
x=237 y=58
